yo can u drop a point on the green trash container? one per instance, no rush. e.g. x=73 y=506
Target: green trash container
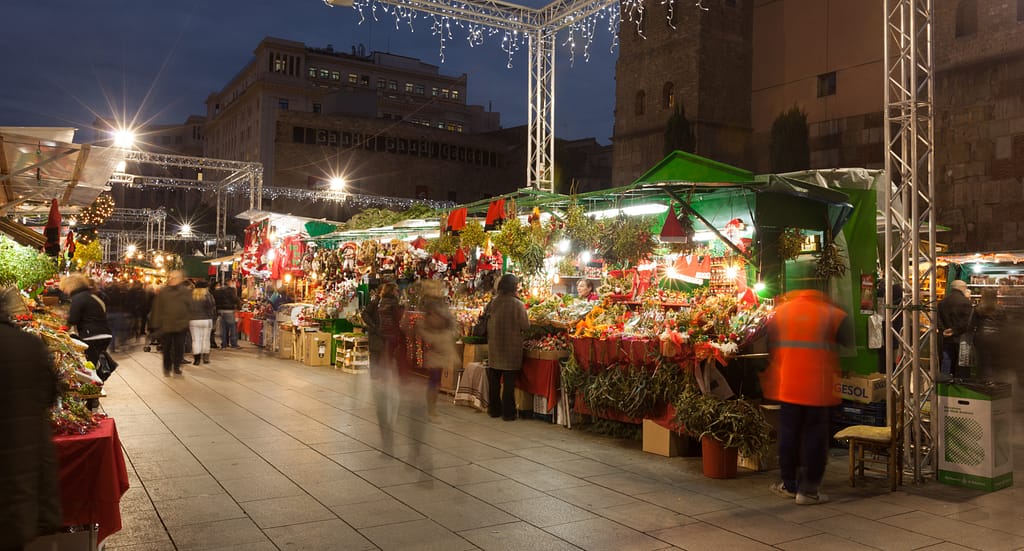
x=975 y=447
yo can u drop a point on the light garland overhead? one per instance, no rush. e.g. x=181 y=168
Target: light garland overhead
x=485 y=18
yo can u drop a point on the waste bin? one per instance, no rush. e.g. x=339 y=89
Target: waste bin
x=975 y=435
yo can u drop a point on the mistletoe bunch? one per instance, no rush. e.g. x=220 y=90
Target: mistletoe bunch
x=791 y=242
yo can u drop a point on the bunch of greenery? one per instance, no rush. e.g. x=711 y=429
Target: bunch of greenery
x=376 y=218
x=520 y=244
x=87 y=253
x=791 y=242
x=443 y=244
x=23 y=267
x=735 y=423
x=473 y=235
x=626 y=240
x=633 y=390
x=831 y=262
x=582 y=230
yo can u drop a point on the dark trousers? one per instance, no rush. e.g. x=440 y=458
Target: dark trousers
x=803 y=446
x=501 y=393
x=173 y=348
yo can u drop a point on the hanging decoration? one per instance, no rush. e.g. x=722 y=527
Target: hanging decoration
x=626 y=240
x=52 y=230
x=791 y=242
x=831 y=262
x=96 y=213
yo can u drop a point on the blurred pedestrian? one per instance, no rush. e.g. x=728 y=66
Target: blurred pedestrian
x=172 y=312
x=88 y=315
x=30 y=500
x=203 y=310
x=955 y=311
x=506 y=322
x=382 y=318
x=228 y=304
x=989 y=329
x=805 y=337
x=438 y=330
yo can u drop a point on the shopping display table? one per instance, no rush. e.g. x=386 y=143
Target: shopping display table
x=540 y=377
x=92 y=477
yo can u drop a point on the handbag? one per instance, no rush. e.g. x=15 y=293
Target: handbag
x=480 y=329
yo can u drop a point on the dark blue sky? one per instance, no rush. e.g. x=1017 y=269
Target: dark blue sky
x=67 y=61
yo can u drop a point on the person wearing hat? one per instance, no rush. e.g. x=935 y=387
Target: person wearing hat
x=506 y=322
x=955 y=313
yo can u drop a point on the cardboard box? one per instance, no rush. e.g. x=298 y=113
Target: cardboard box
x=661 y=441
x=975 y=435
x=766 y=462
x=473 y=353
x=317 y=349
x=286 y=344
x=865 y=389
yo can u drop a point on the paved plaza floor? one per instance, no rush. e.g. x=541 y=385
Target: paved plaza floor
x=256 y=453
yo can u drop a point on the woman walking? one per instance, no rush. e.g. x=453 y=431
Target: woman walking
x=204 y=309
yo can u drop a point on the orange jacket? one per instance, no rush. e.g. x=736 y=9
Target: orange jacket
x=805 y=361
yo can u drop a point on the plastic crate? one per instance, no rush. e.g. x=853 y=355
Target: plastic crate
x=853 y=413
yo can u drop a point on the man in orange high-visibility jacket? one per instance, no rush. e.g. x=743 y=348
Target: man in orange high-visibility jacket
x=805 y=335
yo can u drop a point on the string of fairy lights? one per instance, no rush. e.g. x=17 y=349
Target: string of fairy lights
x=479 y=20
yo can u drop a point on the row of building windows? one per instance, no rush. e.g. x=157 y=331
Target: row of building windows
x=319 y=73
x=450 y=126
x=668 y=99
x=967 y=17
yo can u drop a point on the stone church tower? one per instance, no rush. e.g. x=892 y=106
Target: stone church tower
x=698 y=59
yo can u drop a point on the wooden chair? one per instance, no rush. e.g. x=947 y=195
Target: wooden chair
x=871 y=445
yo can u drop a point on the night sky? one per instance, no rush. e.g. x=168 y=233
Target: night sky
x=68 y=61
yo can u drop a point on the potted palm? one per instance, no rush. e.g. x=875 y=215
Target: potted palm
x=724 y=427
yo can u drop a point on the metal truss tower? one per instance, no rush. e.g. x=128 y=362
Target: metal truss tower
x=540 y=27
x=912 y=356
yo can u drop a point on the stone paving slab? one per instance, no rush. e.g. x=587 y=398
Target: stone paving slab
x=252 y=452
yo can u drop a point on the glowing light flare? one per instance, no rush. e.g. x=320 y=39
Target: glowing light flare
x=336 y=183
x=731 y=271
x=564 y=245
x=977 y=268
x=124 y=138
x=759 y=287
x=585 y=257
x=287 y=278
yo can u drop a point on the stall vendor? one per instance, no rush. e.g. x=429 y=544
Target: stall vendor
x=585 y=290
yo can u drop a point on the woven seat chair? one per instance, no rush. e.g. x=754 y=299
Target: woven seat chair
x=875 y=446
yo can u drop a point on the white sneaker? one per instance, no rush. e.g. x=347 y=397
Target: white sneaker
x=779 y=489
x=810 y=499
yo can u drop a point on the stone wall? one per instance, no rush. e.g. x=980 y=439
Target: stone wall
x=706 y=58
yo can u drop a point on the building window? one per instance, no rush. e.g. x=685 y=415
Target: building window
x=392 y=85
x=408 y=87
x=280 y=64
x=311 y=72
x=433 y=92
x=421 y=90
x=336 y=76
x=282 y=104
x=353 y=78
x=668 y=96
x=827 y=84
x=381 y=83
x=459 y=128
x=317 y=108
x=364 y=80
x=325 y=74
x=966 y=18
x=455 y=95
x=440 y=124
x=444 y=93
x=641 y=100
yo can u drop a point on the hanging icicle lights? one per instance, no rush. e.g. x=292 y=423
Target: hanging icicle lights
x=480 y=19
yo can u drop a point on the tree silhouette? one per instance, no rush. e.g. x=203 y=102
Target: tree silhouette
x=678 y=133
x=790 y=148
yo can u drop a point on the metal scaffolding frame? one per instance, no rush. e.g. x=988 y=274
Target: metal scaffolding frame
x=912 y=353
x=238 y=176
x=155 y=221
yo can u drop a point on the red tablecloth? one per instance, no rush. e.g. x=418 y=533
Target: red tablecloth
x=540 y=377
x=256 y=332
x=92 y=478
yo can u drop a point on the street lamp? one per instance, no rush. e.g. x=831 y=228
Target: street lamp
x=336 y=183
x=124 y=138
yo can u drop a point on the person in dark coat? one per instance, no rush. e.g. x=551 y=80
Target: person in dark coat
x=382 y=318
x=170 y=318
x=506 y=322
x=989 y=329
x=30 y=500
x=228 y=303
x=88 y=315
x=955 y=311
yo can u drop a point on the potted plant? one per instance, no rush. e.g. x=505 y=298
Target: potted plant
x=724 y=427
